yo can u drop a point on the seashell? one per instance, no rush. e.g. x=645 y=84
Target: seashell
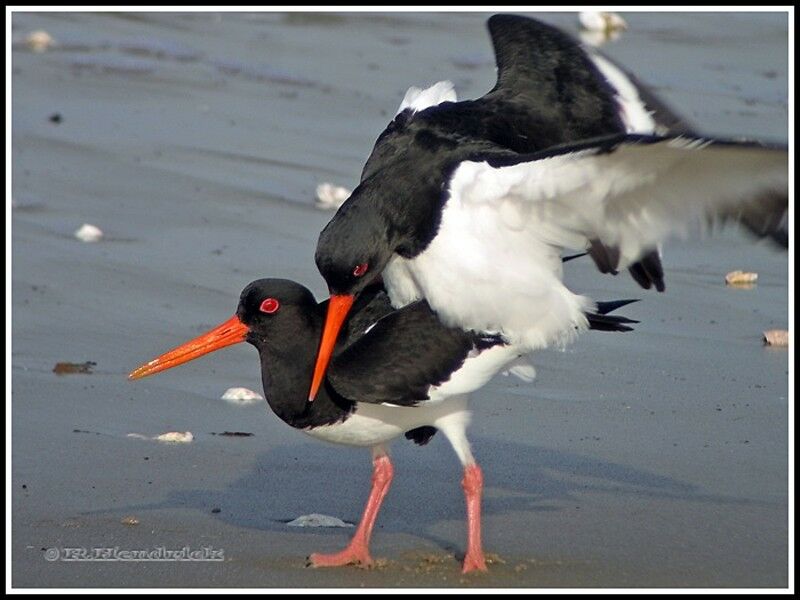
x=740 y=278
x=39 y=40
x=318 y=520
x=331 y=197
x=776 y=337
x=601 y=21
x=89 y=233
x=175 y=437
x=240 y=395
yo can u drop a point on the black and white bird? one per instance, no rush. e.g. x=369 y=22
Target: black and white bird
x=470 y=204
x=394 y=372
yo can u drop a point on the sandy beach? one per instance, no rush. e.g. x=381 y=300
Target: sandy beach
x=195 y=141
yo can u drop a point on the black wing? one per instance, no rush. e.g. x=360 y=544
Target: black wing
x=545 y=73
x=400 y=358
x=371 y=305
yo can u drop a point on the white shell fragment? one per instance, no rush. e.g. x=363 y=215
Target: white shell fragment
x=597 y=28
x=740 y=278
x=521 y=369
x=318 y=520
x=598 y=38
x=331 y=197
x=776 y=337
x=176 y=437
x=240 y=395
x=89 y=233
x=39 y=40
x=601 y=21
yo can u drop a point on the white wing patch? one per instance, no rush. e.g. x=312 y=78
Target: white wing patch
x=417 y=99
x=634 y=113
x=521 y=369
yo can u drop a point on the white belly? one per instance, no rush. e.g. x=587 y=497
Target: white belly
x=375 y=424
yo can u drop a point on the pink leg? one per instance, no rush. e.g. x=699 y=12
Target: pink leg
x=357 y=552
x=473 y=486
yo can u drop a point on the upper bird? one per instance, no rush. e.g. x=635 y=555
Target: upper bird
x=470 y=204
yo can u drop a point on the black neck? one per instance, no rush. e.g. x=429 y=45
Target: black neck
x=287 y=363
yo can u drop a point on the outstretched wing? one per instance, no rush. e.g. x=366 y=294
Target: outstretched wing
x=570 y=87
x=400 y=358
x=626 y=194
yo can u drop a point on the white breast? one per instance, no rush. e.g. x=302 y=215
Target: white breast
x=374 y=424
x=485 y=270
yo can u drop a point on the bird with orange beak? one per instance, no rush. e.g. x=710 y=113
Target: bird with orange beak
x=393 y=373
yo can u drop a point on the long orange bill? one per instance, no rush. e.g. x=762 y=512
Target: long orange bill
x=228 y=333
x=338 y=307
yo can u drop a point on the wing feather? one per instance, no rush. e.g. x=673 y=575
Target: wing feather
x=400 y=358
x=627 y=194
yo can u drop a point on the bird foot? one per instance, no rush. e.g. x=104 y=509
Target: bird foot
x=349 y=556
x=474 y=561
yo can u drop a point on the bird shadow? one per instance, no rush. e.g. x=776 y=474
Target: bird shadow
x=292 y=480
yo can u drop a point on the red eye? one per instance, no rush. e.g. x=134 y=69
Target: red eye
x=269 y=306
x=360 y=269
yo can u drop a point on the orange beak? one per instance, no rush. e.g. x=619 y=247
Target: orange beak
x=228 y=333
x=338 y=307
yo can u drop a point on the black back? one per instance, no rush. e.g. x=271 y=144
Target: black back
x=402 y=356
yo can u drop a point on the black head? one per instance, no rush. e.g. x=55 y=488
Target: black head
x=393 y=211
x=356 y=245
x=275 y=310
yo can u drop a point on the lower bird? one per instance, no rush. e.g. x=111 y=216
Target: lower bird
x=394 y=372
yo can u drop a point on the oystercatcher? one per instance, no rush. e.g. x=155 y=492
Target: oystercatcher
x=470 y=204
x=394 y=372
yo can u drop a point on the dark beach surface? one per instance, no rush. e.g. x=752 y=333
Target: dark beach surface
x=656 y=458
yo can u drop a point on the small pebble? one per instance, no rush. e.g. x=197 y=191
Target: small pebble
x=89 y=233
x=67 y=368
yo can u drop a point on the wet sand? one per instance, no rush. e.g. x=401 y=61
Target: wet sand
x=656 y=458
